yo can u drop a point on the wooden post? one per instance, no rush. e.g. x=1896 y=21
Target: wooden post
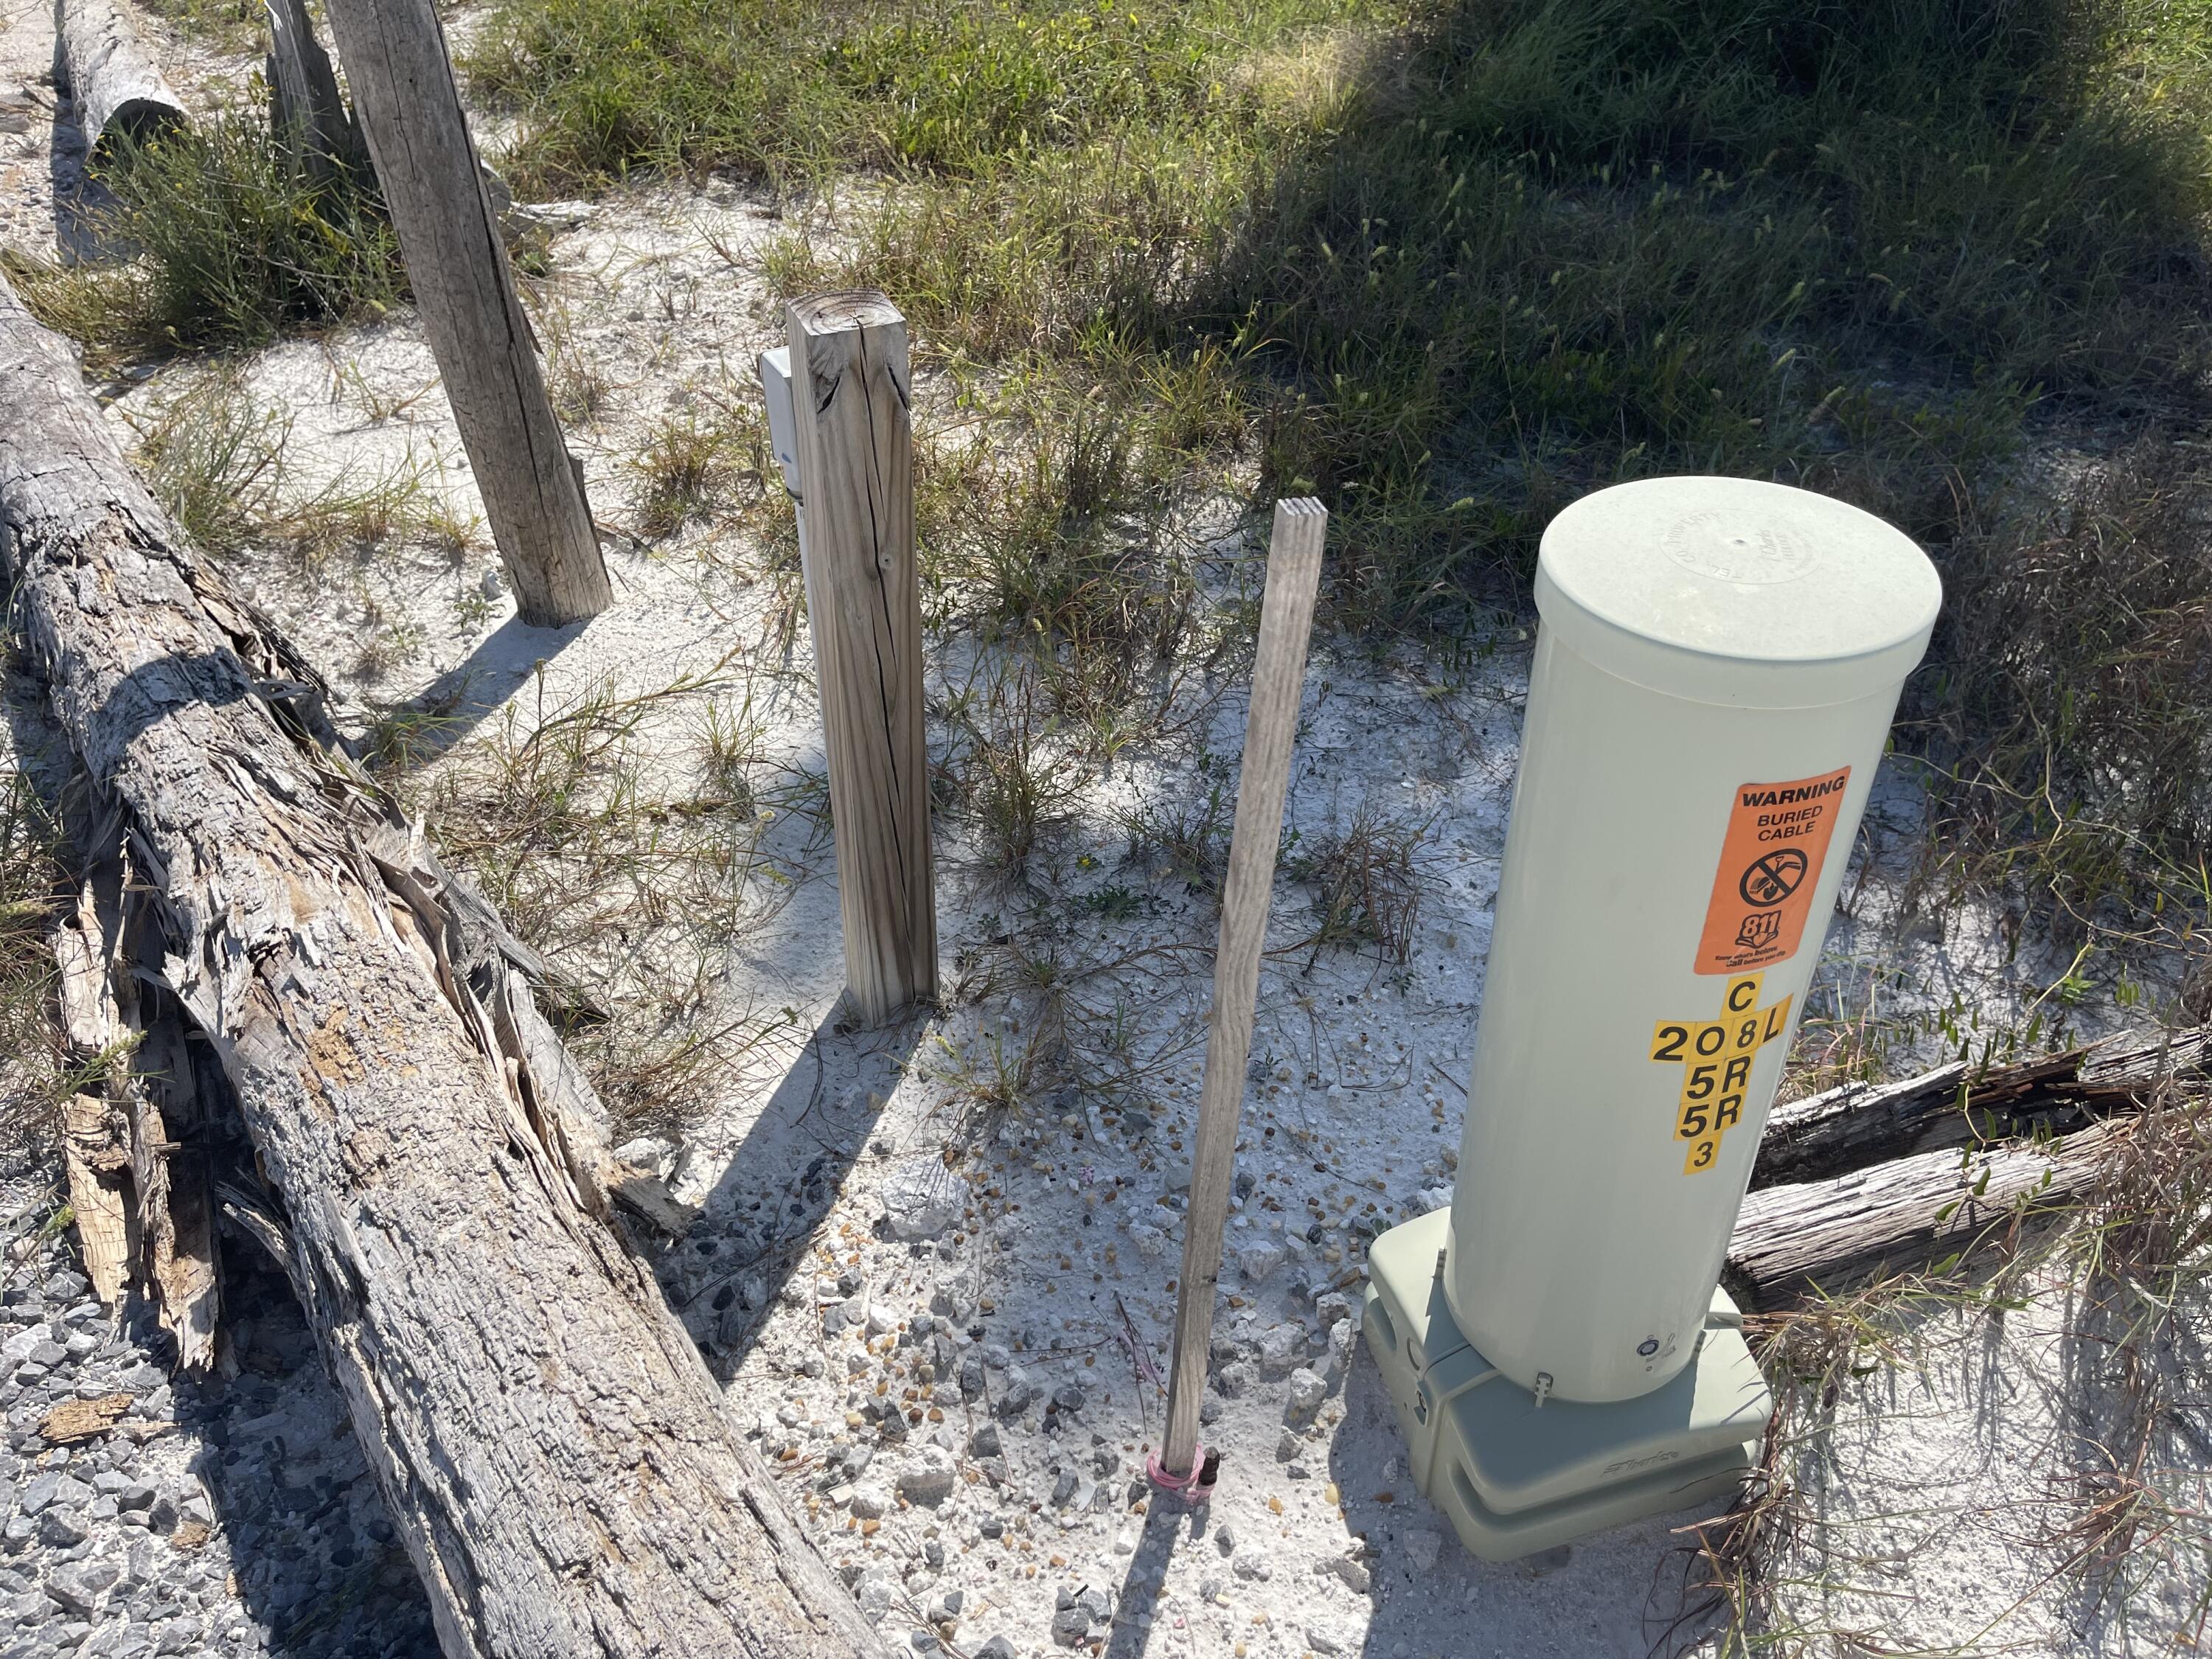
x=304 y=106
x=1285 y=621
x=402 y=82
x=849 y=388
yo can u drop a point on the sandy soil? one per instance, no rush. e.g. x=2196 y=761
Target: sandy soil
x=1045 y=1269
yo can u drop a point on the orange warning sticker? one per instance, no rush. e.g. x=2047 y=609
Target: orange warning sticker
x=1777 y=835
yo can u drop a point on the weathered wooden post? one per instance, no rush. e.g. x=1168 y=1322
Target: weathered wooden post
x=849 y=387
x=1271 y=722
x=409 y=109
x=305 y=107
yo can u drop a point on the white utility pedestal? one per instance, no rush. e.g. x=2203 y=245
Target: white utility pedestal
x=1716 y=669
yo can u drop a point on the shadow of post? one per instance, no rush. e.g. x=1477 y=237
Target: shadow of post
x=780 y=1184
x=1133 y=1608
x=458 y=700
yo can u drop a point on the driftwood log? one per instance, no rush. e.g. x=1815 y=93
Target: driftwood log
x=1882 y=1175
x=1959 y=1105
x=115 y=83
x=1788 y=1240
x=551 y=1448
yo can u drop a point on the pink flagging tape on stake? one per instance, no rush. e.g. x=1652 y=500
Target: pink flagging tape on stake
x=1192 y=1488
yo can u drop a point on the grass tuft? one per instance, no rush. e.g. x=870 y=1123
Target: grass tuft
x=2064 y=712
x=1014 y=776
x=682 y=464
x=1366 y=884
x=238 y=240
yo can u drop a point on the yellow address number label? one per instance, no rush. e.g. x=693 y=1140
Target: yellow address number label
x=1715 y=1056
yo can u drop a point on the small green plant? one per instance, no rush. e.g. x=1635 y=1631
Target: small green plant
x=354 y=514
x=1367 y=884
x=385 y=641
x=578 y=387
x=1112 y=902
x=215 y=458
x=681 y=465
x=731 y=746
x=452 y=534
x=1016 y=778
x=238 y=239
x=1187 y=840
x=993 y=1071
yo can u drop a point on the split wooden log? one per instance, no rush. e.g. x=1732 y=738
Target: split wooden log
x=550 y=1446
x=94 y=1146
x=1956 y=1105
x=138 y=1179
x=1826 y=1233
x=115 y=83
x=1894 y=1174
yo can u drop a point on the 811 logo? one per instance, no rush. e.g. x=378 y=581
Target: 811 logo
x=1716 y=1058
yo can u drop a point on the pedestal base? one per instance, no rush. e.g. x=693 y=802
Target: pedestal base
x=1515 y=1477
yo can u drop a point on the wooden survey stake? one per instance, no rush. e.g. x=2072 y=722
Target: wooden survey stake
x=1286 y=623
x=850 y=395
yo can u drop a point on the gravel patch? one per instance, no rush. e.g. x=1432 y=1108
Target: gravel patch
x=233 y=1517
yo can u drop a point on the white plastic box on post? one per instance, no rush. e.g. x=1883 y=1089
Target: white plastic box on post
x=1716 y=668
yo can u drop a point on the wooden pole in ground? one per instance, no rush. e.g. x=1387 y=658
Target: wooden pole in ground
x=304 y=106
x=1286 y=623
x=850 y=393
x=409 y=109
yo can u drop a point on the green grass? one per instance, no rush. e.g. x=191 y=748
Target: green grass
x=241 y=242
x=2065 y=709
x=1450 y=265
x=222 y=239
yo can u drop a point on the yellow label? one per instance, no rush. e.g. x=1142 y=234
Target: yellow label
x=1716 y=1057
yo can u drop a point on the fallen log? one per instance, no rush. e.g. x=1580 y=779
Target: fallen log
x=1825 y=1233
x=115 y=83
x=1960 y=1105
x=552 y=1449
